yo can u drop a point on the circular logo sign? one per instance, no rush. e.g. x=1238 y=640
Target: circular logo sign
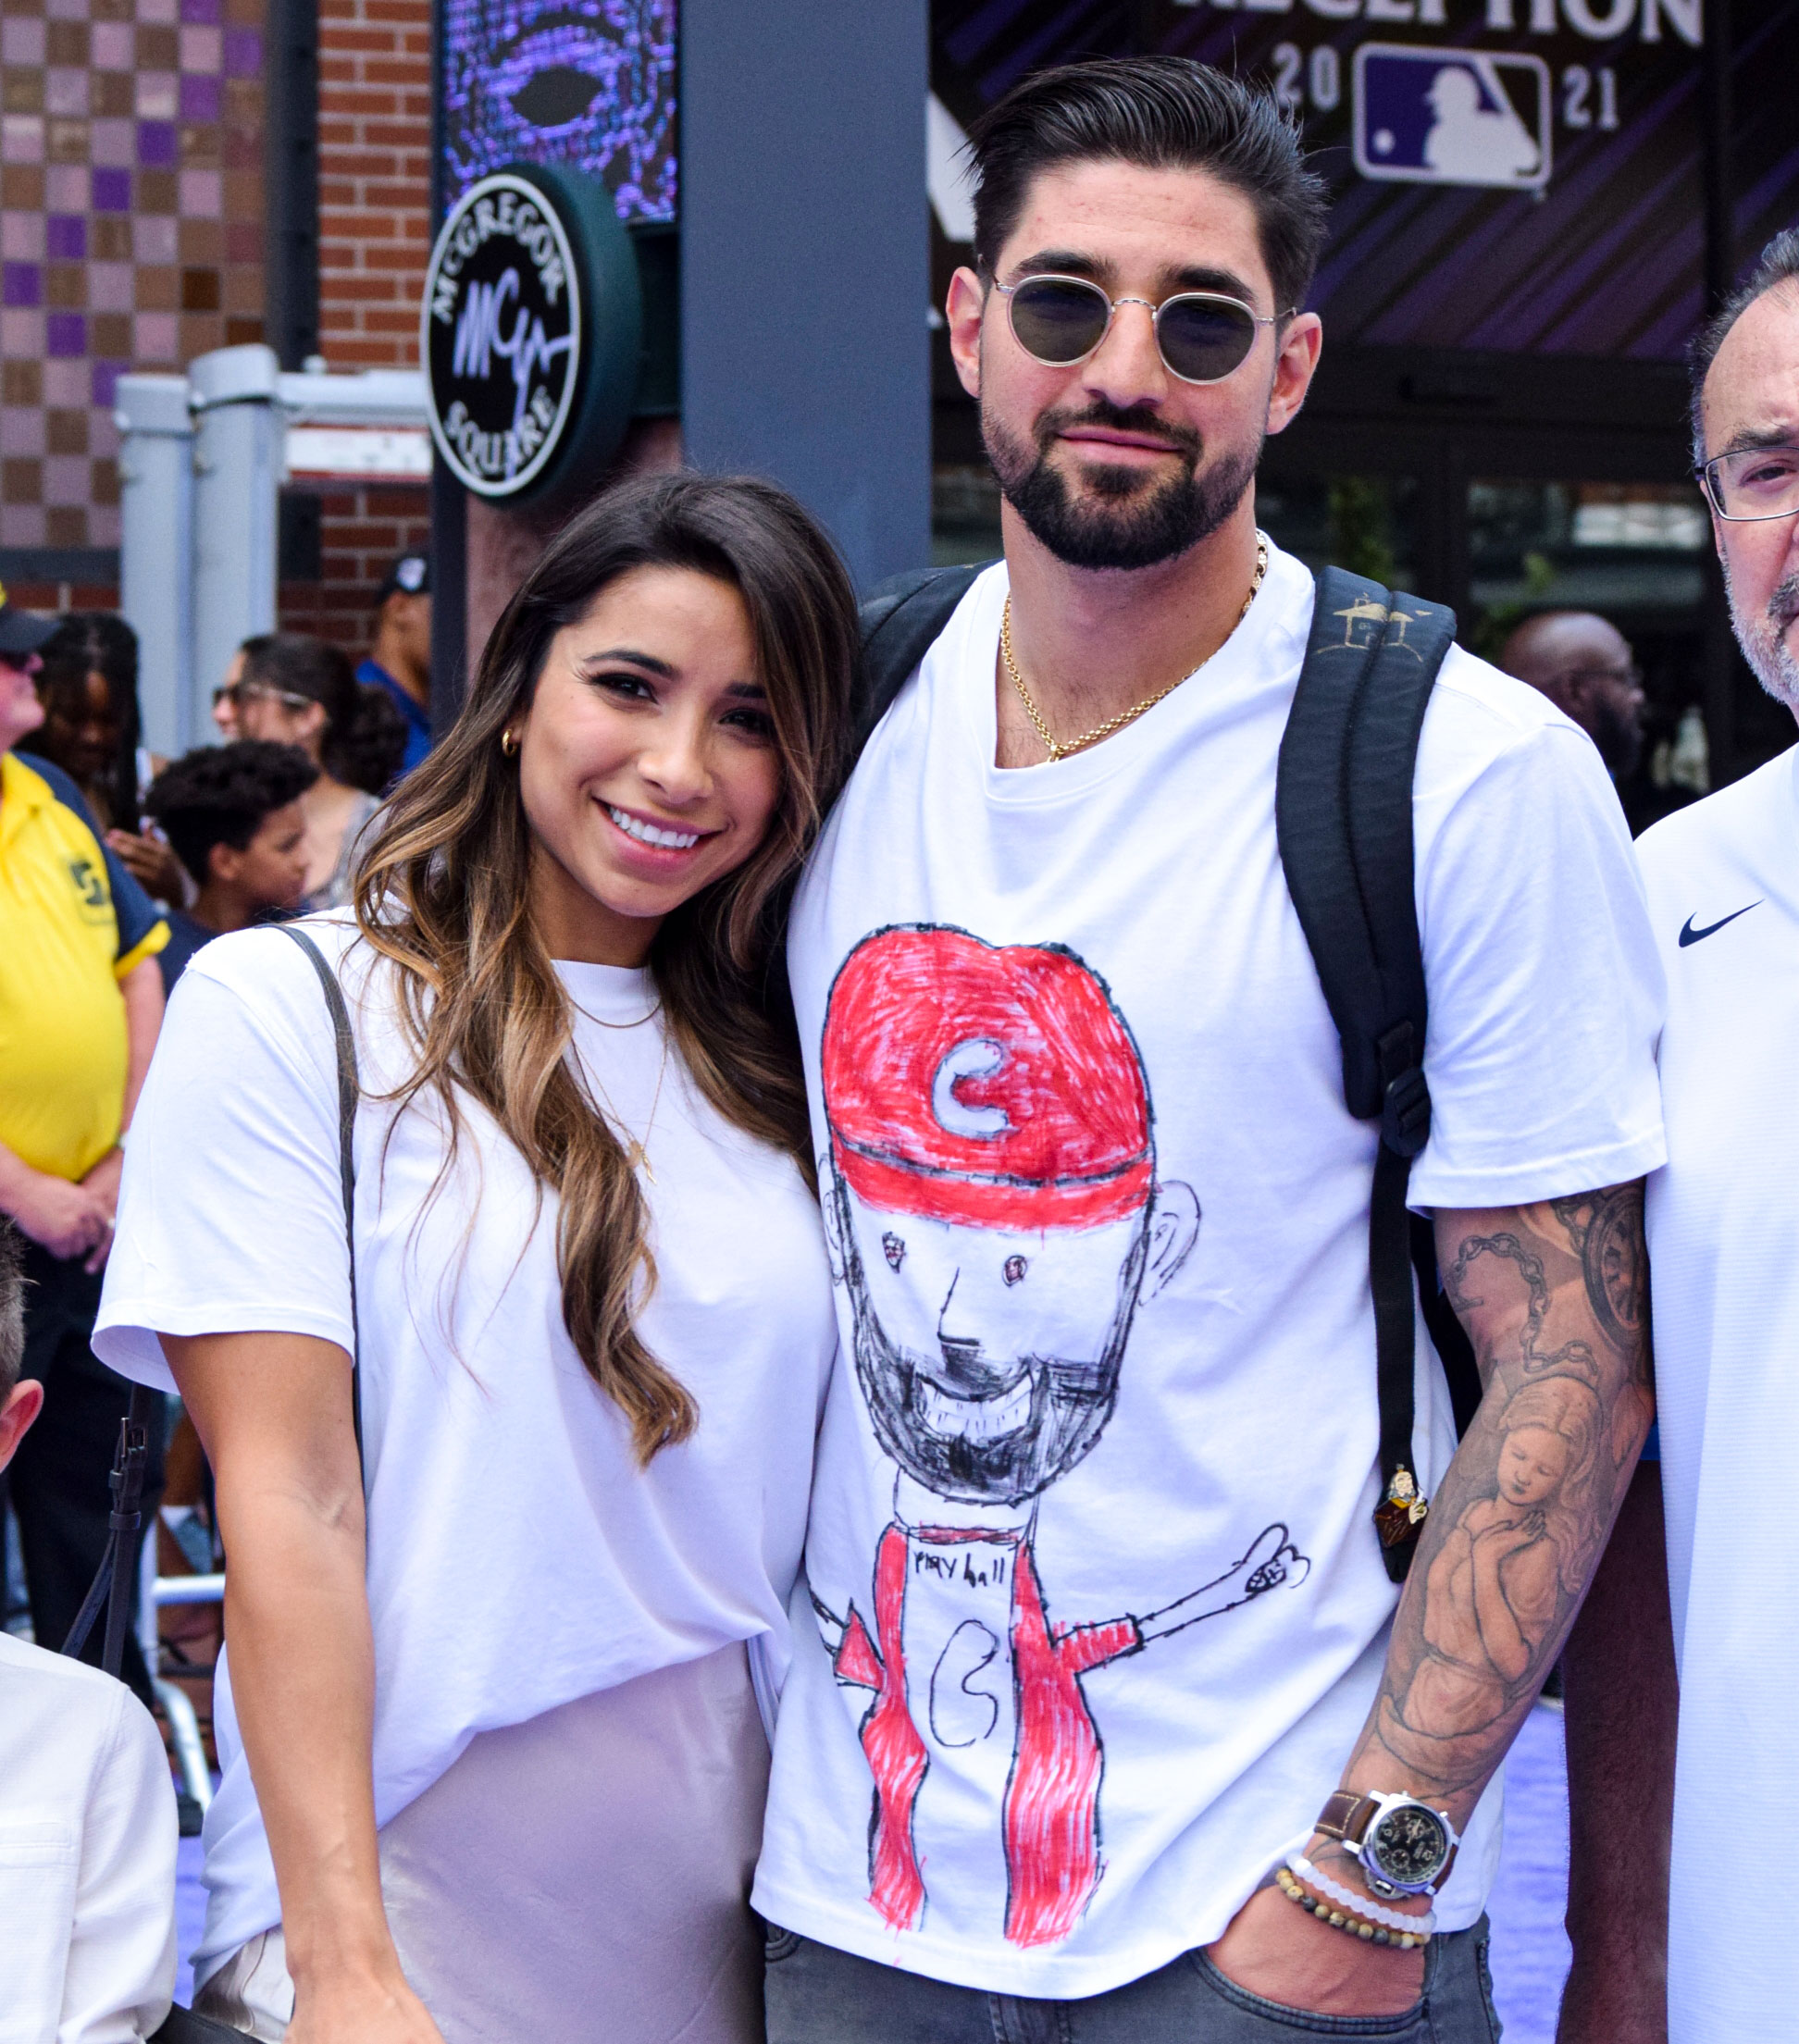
x=501 y=340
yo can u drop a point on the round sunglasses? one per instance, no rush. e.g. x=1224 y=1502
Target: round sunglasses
x=1204 y=336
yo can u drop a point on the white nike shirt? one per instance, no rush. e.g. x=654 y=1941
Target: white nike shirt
x=1723 y=1223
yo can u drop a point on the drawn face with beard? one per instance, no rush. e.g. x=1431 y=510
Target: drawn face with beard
x=1114 y=462
x=990 y=1358
x=991 y=1202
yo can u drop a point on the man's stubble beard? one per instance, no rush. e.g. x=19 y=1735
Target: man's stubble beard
x=1764 y=639
x=1150 y=522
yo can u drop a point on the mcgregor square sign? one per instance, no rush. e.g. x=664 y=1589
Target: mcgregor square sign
x=531 y=333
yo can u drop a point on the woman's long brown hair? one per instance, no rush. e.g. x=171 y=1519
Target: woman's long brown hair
x=443 y=892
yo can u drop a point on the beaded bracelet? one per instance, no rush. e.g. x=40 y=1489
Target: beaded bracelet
x=1394 y=1919
x=1341 y=1920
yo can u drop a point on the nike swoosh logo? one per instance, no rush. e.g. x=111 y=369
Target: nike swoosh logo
x=1690 y=936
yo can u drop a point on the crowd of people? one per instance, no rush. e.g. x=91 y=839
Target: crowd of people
x=780 y=1278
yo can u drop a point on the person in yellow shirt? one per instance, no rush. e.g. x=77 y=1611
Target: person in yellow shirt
x=81 y=1001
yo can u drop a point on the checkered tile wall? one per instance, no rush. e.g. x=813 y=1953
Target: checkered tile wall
x=130 y=231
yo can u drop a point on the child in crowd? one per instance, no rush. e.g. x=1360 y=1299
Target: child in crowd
x=87 y=1813
x=232 y=812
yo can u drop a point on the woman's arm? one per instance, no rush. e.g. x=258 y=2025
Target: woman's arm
x=273 y=1412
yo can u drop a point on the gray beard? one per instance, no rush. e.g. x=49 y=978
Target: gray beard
x=1763 y=639
x=1131 y=526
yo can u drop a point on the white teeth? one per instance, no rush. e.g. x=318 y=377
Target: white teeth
x=974 y=1419
x=651 y=834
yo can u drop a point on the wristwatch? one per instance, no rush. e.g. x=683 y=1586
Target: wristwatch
x=1404 y=1847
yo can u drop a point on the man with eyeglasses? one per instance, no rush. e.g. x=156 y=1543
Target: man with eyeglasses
x=1723 y=1231
x=1102 y=1672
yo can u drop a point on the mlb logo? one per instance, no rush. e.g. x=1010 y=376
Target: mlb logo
x=1452 y=116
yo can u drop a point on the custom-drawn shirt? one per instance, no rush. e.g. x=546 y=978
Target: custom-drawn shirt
x=1098 y=1227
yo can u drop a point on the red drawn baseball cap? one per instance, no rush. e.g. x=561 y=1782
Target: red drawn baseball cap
x=995 y=1086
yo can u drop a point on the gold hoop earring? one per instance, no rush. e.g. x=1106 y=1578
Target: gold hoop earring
x=508 y=743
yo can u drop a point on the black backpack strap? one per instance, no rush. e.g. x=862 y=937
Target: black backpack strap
x=900 y=622
x=349 y=1093
x=1343 y=818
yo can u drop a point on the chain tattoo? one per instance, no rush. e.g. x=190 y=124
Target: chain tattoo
x=1575 y=1355
x=1521 y=1516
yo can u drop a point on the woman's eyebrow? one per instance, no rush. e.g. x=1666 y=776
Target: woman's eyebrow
x=630 y=653
x=752 y=691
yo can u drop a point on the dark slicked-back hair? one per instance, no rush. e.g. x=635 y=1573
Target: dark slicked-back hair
x=1776 y=264
x=1162 y=113
x=222 y=794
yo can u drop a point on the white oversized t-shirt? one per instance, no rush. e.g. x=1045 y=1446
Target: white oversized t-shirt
x=518 y=1558
x=1082 y=1670
x=1723 y=1225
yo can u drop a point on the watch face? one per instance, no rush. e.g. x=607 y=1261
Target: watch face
x=1407 y=1845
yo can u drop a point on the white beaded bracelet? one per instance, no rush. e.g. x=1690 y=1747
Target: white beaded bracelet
x=1394 y=1919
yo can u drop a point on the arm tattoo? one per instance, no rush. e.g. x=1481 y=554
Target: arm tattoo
x=1607 y=1231
x=1560 y=1326
x=1576 y=1355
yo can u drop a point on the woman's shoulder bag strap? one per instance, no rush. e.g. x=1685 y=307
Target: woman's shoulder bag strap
x=349 y=1093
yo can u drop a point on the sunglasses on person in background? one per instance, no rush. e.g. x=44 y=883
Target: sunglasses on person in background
x=237 y=693
x=1204 y=336
x=1754 y=482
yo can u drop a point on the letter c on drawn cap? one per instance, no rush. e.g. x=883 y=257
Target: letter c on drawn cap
x=974 y=1058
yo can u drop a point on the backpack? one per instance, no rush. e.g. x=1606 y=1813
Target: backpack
x=1343 y=811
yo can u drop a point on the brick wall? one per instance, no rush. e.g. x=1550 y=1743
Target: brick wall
x=374 y=178
x=361 y=530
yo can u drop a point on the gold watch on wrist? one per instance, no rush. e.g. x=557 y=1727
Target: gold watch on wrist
x=1403 y=1846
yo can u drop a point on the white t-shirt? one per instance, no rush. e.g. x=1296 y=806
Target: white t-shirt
x=517 y=1556
x=1081 y=1674
x=1723 y=1225
x=87 y=1856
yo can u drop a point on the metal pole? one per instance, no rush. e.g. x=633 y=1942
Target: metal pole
x=237 y=468
x=156 y=557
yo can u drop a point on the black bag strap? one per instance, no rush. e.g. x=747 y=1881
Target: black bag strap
x=349 y=1093
x=1343 y=819
x=900 y=622
x=116 y=1580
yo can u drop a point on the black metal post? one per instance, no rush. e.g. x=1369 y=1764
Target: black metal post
x=291 y=85
x=449 y=500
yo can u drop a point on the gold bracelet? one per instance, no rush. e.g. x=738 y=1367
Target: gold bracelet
x=1340 y=1919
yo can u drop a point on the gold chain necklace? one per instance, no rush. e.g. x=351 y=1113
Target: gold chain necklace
x=1054 y=747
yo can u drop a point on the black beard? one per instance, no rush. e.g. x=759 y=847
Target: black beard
x=1145 y=528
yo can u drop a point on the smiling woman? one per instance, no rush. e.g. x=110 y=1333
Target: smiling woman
x=498 y=1758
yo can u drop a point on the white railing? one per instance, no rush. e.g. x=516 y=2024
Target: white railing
x=200 y=467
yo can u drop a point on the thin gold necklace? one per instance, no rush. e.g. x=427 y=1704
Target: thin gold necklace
x=637 y=1154
x=1055 y=747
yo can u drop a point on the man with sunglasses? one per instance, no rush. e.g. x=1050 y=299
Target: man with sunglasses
x=1723 y=1221
x=1100 y=1678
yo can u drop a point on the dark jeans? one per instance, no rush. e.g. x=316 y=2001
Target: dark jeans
x=58 y=1477
x=817 y=1995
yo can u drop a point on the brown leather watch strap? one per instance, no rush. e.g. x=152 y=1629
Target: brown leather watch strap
x=1345 y=1815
